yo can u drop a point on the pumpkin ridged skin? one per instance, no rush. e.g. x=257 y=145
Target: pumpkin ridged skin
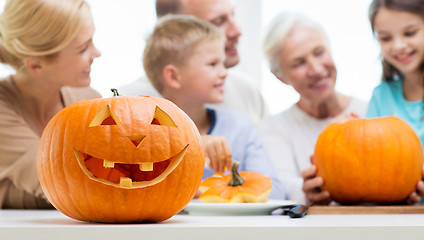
x=376 y=160
x=78 y=196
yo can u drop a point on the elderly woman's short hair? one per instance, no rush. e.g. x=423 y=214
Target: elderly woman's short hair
x=277 y=32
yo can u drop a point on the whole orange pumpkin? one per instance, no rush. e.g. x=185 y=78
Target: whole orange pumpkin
x=120 y=159
x=376 y=160
x=243 y=187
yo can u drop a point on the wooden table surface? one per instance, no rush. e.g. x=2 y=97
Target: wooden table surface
x=413 y=209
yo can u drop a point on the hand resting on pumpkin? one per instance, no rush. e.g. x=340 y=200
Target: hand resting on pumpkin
x=418 y=195
x=217 y=153
x=312 y=187
x=312 y=184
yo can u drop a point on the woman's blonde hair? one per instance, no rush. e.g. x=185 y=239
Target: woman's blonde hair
x=172 y=42
x=277 y=32
x=39 y=28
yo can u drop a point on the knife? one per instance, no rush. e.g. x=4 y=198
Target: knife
x=293 y=211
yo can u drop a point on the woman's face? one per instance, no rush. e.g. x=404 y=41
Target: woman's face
x=306 y=64
x=72 y=65
x=401 y=37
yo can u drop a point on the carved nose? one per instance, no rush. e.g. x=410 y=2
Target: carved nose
x=136 y=140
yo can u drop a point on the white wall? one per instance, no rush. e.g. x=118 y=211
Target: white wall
x=249 y=15
x=122 y=25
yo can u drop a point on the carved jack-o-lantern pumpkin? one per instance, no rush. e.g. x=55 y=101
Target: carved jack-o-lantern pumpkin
x=120 y=159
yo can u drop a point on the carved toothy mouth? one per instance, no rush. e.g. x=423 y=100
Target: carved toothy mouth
x=126 y=175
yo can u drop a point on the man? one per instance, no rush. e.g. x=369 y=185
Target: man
x=239 y=93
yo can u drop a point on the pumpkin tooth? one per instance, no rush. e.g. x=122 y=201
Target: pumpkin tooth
x=108 y=164
x=125 y=182
x=146 y=166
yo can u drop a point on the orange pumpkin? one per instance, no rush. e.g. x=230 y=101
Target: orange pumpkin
x=377 y=160
x=235 y=187
x=120 y=159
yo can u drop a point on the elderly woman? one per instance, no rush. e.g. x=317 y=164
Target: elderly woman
x=49 y=44
x=298 y=53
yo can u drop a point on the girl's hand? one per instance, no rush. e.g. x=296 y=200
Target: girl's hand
x=418 y=195
x=217 y=153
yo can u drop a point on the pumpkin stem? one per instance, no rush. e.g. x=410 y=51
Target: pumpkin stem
x=236 y=179
x=115 y=92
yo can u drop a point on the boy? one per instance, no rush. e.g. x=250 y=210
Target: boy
x=184 y=59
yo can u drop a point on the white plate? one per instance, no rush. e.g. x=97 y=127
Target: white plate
x=196 y=207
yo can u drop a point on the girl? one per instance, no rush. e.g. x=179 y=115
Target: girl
x=399 y=28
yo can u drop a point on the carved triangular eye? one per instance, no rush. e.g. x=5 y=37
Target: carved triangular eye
x=105 y=117
x=162 y=118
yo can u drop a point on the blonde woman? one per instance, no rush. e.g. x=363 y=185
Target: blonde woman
x=49 y=44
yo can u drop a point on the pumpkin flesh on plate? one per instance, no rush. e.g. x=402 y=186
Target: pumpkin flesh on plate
x=243 y=187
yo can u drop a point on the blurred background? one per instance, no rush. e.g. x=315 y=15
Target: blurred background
x=121 y=27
